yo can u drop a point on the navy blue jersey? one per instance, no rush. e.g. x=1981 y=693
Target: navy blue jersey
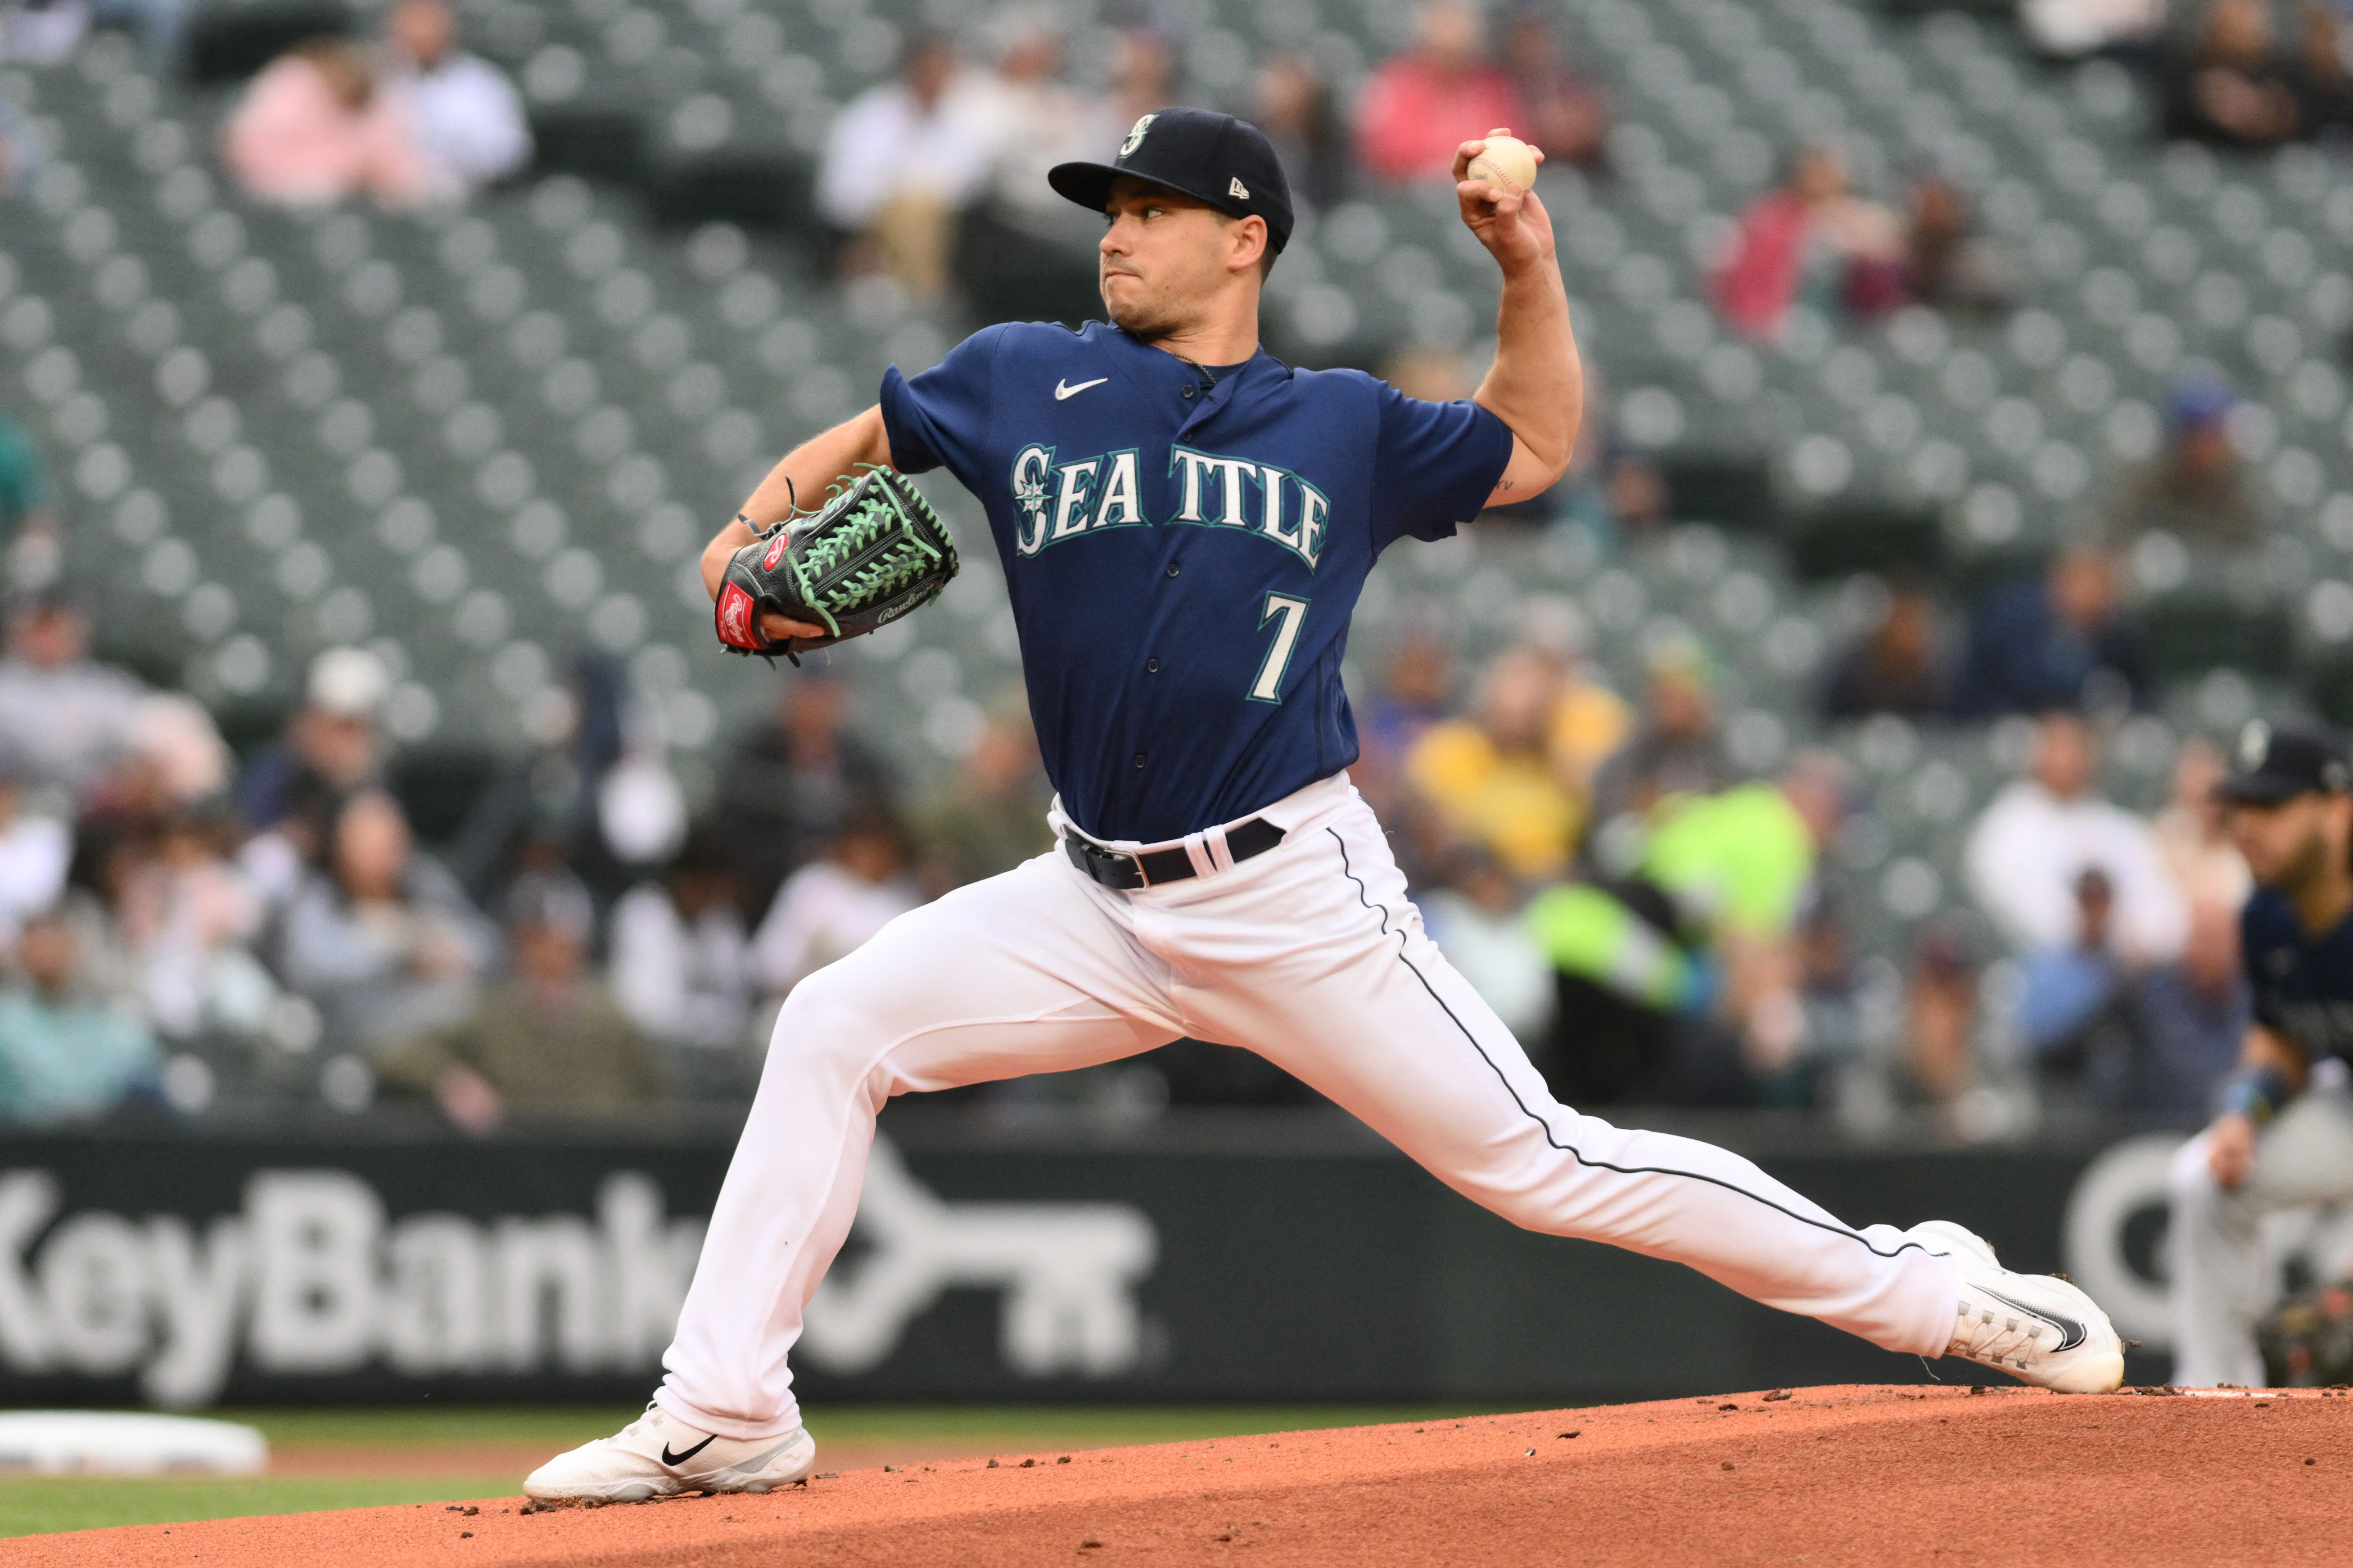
x=1182 y=557
x=2303 y=985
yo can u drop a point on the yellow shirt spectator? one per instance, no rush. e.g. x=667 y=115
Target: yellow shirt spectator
x=1512 y=779
x=1588 y=723
x=1512 y=803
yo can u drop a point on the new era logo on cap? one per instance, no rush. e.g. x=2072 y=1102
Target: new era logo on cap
x=1235 y=189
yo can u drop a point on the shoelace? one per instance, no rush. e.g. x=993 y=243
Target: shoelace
x=1984 y=1336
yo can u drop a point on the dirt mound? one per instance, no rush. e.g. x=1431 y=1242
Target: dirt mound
x=1863 y=1476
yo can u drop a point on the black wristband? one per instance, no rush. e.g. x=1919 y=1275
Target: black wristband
x=2257 y=1094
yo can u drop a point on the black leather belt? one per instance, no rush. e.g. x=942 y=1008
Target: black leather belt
x=1129 y=872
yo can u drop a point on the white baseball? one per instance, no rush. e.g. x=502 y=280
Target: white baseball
x=1507 y=164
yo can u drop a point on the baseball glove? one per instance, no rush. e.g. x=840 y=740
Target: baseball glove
x=875 y=551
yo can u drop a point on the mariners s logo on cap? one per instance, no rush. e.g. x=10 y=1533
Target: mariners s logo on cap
x=1135 y=135
x=2255 y=744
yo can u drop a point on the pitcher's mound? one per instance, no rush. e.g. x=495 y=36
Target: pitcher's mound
x=1860 y=1476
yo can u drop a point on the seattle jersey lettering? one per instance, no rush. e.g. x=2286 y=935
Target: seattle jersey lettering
x=1064 y=500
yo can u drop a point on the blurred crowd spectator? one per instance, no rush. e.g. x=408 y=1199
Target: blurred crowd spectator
x=23 y=480
x=2058 y=641
x=416 y=120
x=2073 y=29
x=2028 y=853
x=903 y=158
x=2196 y=489
x=2229 y=85
x=1901 y=664
x=1813 y=243
x=1451 y=85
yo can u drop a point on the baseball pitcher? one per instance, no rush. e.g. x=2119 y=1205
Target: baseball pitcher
x=1185 y=522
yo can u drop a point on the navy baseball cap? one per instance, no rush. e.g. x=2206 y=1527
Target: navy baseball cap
x=1199 y=153
x=2278 y=759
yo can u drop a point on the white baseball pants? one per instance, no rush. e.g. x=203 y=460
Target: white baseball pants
x=1310 y=955
x=2220 y=1288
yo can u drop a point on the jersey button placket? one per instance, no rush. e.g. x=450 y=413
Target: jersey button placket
x=1139 y=759
x=1151 y=666
x=1172 y=569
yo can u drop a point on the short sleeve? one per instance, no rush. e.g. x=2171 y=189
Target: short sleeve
x=1438 y=464
x=940 y=418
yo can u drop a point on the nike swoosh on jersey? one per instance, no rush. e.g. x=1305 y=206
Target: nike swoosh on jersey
x=2071 y=1332
x=670 y=1459
x=1064 y=390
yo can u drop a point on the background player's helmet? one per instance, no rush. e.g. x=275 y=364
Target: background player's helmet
x=1214 y=158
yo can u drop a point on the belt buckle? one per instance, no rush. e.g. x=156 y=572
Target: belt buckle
x=1143 y=877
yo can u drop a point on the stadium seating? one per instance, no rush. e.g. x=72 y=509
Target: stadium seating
x=486 y=442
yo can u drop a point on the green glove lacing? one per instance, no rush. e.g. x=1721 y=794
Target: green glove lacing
x=853 y=535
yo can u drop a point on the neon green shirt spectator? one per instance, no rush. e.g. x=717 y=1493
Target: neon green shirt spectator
x=1739 y=860
x=1586 y=932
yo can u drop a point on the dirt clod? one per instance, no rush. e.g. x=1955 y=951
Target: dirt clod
x=1570 y=1434
x=1776 y=1393
x=1728 y=1464
x=1063 y=1461
x=1089 y=1543
x=1028 y=1464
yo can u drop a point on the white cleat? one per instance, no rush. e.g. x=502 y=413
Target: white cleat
x=2036 y=1327
x=659 y=1456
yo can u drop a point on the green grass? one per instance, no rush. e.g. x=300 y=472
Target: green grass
x=32 y=1506
x=37 y=1506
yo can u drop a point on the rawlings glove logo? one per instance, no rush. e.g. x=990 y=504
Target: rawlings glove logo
x=735 y=618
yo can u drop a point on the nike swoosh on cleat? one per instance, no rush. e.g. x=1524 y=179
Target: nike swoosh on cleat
x=2071 y=1332
x=759 y=1461
x=670 y=1459
x=1063 y=390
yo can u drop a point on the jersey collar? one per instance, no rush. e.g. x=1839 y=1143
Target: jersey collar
x=1156 y=371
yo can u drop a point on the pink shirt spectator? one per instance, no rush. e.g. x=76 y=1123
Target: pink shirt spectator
x=1757 y=279
x=312 y=129
x=1415 y=112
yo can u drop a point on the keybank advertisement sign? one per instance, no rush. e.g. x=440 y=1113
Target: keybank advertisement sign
x=316 y=1277
x=182 y=1274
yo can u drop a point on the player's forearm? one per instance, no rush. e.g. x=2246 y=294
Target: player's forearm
x=1536 y=386
x=800 y=478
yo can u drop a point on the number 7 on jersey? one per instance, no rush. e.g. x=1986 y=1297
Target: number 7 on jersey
x=1293 y=615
